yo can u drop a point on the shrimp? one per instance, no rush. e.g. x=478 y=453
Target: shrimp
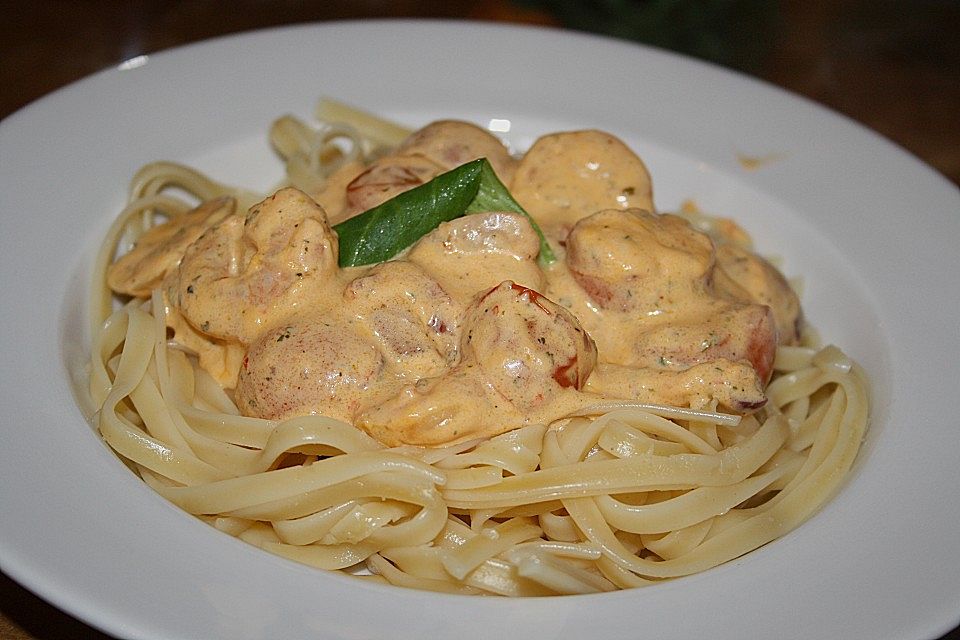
x=528 y=345
x=657 y=268
x=247 y=273
x=311 y=366
x=159 y=250
x=438 y=147
x=523 y=361
x=392 y=325
x=567 y=176
x=746 y=277
x=733 y=385
x=635 y=260
x=412 y=319
x=386 y=178
x=736 y=332
x=476 y=252
x=451 y=143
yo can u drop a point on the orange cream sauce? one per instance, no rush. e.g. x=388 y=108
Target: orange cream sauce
x=465 y=335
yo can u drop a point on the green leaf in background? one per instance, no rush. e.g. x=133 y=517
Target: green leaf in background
x=736 y=33
x=494 y=196
x=380 y=233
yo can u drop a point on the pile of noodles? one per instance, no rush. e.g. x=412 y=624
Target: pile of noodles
x=616 y=496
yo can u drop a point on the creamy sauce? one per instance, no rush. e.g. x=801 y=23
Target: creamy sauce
x=465 y=335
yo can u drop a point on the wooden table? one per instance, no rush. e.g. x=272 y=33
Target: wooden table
x=893 y=66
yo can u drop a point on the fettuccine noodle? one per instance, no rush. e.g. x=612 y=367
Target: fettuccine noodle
x=617 y=495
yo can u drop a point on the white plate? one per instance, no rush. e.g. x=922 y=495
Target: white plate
x=872 y=231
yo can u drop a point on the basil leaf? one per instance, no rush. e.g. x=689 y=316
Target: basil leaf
x=494 y=196
x=380 y=233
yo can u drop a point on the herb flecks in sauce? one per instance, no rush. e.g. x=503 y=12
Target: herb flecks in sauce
x=430 y=317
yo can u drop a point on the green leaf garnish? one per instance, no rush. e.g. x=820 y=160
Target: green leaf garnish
x=380 y=233
x=494 y=196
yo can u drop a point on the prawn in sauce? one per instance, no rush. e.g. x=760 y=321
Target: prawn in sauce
x=465 y=334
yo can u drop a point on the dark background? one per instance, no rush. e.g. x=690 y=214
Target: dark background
x=892 y=65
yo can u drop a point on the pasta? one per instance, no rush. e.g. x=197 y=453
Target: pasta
x=614 y=494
